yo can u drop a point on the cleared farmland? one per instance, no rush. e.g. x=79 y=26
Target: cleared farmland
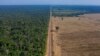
x=77 y=36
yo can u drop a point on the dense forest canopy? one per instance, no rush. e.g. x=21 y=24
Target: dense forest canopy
x=23 y=30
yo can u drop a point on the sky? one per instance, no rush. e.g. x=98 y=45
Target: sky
x=49 y=2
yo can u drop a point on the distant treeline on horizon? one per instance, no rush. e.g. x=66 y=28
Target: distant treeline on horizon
x=74 y=10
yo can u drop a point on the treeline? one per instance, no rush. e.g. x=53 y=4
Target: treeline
x=68 y=15
x=80 y=10
x=23 y=30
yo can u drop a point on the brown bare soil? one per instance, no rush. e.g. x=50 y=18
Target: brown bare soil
x=76 y=36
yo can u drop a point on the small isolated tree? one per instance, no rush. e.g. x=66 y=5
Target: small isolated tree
x=62 y=18
x=57 y=28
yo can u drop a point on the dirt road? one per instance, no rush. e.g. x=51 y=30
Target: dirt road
x=49 y=48
x=49 y=41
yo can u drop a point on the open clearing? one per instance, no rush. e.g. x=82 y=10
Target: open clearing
x=76 y=36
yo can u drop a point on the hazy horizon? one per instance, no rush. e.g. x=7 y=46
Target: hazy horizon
x=49 y=2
